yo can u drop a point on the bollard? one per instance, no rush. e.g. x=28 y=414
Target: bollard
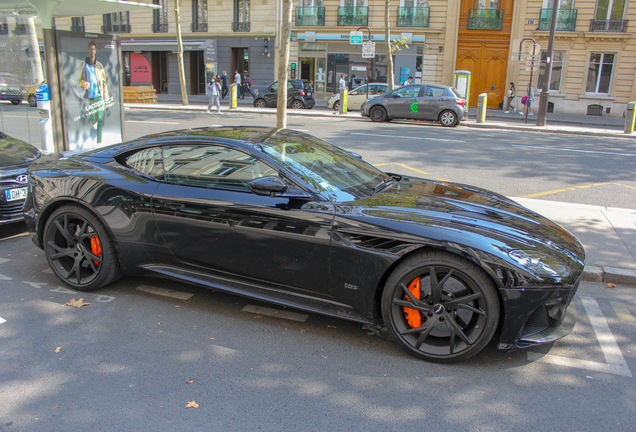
x=481 y=107
x=630 y=115
x=233 y=95
x=344 y=98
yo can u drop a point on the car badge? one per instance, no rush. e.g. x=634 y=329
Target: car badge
x=23 y=178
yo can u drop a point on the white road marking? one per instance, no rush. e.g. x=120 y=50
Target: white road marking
x=103 y=298
x=407 y=137
x=574 y=150
x=277 y=313
x=165 y=292
x=37 y=285
x=622 y=312
x=2 y=320
x=4 y=260
x=144 y=121
x=3 y=277
x=616 y=363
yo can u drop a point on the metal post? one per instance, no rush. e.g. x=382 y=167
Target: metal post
x=368 y=60
x=630 y=115
x=545 y=92
x=534 y=43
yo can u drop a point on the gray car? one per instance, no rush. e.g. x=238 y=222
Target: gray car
x=418 y=102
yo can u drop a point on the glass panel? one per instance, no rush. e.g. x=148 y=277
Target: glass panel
x=557 y=70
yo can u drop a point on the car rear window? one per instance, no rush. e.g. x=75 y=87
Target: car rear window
x=307 y=85
x=456 y=93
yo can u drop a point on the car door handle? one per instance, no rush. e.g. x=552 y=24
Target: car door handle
x=174 y=205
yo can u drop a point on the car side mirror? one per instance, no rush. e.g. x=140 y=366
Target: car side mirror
x=269 y=185
x=355 y=155
x=395 y=95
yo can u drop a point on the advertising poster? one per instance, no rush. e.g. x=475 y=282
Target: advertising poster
x=90 y=86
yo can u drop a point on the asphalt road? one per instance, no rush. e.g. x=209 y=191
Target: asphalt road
x=135 y=356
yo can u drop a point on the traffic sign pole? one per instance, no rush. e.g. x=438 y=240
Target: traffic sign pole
x=369 y=46
x=545 y=92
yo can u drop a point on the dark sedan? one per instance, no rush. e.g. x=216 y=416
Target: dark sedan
x=15 y=157
x=418 y=102
x=285 y=217
x=300 y=95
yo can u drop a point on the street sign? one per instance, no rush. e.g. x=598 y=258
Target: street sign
x=534 y=49
x=517 y=56
x=368 y=49
x=532 y=63
x=355 y=38
x=532 y=68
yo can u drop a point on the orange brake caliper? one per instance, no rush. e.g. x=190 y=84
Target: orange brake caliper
x=412 y=316
x=96 y=248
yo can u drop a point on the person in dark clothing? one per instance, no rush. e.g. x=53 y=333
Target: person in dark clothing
x=224 y=89
x=247 y=86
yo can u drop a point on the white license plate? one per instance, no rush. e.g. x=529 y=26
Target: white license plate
x=16 y=194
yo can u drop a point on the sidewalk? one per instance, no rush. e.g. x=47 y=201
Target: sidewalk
x=608 y=234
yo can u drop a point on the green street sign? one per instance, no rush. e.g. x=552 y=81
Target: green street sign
x=355 y=38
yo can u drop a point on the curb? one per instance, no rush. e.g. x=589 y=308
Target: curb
x=613 y=275
x=547 y=129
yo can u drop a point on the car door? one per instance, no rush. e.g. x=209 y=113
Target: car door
x=210 y=219
x=357 y=97
x=271 y=95
x=402 y=102
x=431 y=102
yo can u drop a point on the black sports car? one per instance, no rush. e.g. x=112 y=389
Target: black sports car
x=15 y=157
x=285 y=217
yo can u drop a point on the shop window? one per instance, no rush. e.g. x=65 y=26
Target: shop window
x=600 y=72
x=199 y=16
x=558 y=59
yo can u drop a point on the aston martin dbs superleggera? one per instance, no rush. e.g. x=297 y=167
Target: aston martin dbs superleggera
x=285 y=217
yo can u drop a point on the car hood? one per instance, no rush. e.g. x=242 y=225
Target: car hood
x=465 y=215
x=15 y=153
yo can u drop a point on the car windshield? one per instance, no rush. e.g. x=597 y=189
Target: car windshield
x=14 y=152
x=328 y=170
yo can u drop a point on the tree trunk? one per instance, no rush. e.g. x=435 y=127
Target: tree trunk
x=283 y=61
x=387 y=40
x=184 y=90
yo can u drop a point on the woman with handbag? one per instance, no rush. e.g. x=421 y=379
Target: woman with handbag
x=527 y=103
x=510 y=97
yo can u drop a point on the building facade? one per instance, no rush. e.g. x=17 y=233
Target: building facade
x=593 y=64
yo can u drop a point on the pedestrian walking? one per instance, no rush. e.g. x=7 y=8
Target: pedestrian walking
x=527 y=105
x=224 y=85
x=342 y=83
x=247 y=86
x=214 y=91
x=510 y=95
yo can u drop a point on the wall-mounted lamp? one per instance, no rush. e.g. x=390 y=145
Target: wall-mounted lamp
x=441 y=48
x=266 y=46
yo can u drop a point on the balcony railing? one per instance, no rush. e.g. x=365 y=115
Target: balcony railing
x=199 y=27
x=485 y=19
x=116 y=28
x=565 y=21
x=160 y=28
x=413 y=17
x=353 y=16
x=612 y=25
x=78 y=28
x=240 y=26
x=310 y=16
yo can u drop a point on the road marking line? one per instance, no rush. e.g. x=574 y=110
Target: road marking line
x=631 y=187
x=621 y=311
x=4 y=260
x=143 y=121
x=165 y=292
x=277 y=313
x=408 y=137
x=572 y=188
x=6 y=278
x=405 y=166
x=574 y=150
x=616 y=363
x=2 y=320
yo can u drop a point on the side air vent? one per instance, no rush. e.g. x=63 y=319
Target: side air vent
x=376 y=243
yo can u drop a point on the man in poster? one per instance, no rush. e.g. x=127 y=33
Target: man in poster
x=93 y=80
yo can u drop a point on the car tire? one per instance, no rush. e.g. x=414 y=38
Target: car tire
x=79 y=249
x=448 y=118
x=445 y=318
x=15 y=102
x=377 y=114
x=297 y=104
x=33 y=100
x=336 y=106
x=260 y=103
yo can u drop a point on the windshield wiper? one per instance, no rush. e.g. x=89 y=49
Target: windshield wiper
x=384 y=184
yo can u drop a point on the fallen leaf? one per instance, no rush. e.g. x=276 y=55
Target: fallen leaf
x=302 y=331
x=211 y=338
x=77 y=303
x=258 y=316
x=189 y=382
x=196 y=342
x=192 y=404
x=51 y=298
x=58 y=349
x=177 y=306
x=611 y=285
x=332 y=326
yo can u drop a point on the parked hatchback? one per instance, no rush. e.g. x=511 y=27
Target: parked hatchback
x=358 y=96
x=11 y=90
x=418 y=102
x=299 y=95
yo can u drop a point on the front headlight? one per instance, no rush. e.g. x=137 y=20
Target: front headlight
x=539 y=264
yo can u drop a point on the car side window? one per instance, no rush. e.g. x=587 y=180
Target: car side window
x=212 y=166
x=274 y=87
x=432 y=91
x=379 y=89
x=147 y=161
x=409 y=91
x=361 y=91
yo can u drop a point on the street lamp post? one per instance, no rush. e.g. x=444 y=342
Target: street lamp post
x=545 y=92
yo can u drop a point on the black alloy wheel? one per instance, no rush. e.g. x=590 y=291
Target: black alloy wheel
x=79 y=249
x=377 y=114
x=448 y=118
x=260 y=103
x=336 y=105
x=440 y=307
x=32 y=100
x=297 y=104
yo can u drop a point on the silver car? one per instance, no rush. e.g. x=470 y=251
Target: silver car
x=358 y=96
x=418 y=102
